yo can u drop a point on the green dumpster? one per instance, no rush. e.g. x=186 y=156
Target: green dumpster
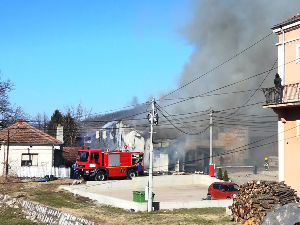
x=139 y=196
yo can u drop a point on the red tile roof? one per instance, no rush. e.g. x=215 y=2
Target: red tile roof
x=291 y=19
x=22 y=132
x=70 y=152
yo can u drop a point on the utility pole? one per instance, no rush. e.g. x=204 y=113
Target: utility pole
x=210 y=137
x=7 y=153
x=151 y=158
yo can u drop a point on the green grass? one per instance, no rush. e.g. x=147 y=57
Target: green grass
x=200 y=211
x=60 y=199
x=12 y=216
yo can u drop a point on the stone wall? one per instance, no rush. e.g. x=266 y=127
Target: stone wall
x=43 y=214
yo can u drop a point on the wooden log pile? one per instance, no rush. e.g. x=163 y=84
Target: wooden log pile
x=256 y=198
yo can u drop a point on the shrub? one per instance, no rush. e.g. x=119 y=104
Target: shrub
x=220 y=174
x=225 y=178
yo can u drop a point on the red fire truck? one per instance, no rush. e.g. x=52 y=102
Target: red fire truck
x=99 y=165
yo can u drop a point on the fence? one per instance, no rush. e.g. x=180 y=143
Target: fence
x=36 y=171
x=285 y=94
x=273 y=95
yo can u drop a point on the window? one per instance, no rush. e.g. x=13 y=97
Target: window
x=216 y=186
x=29 y=160
x=229 y=187
x=95 y=156
x=82 y=156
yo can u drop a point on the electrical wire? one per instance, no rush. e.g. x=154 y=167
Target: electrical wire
x=204 y=95
x=213 y=156
x=256 y=89
x=182 y=131
x=217 y=66
x=259 y=74
x=238 y=149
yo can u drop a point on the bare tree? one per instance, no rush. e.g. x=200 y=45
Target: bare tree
x=45 y=121
x=18 y=113
x=79 y=113
x=5 y=88
x=38 y=121
x=9 y=114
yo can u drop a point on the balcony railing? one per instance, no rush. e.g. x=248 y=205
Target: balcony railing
x=286 y=94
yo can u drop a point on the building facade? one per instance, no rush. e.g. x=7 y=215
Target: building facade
x=285 y=100
x=22 y=145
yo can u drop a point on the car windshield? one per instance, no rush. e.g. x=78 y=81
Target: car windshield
x=82 y=156
x=229 y=187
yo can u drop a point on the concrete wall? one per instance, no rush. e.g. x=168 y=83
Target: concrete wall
x=161 y=163
x=288 y=132
x=196 y=204
x=42 y=214
x=137 y=206
x=107 y=200
x=139 y=183
x=291 y=48
x=291 y=154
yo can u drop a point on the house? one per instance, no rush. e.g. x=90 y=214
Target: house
x=23 y=145
x=118 y=135
x=193 y=152
x=285 y=100
x=175 y=154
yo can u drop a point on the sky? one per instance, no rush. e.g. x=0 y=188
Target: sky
x=102 y=53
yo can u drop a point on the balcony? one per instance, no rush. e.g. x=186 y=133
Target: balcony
x=286 y=96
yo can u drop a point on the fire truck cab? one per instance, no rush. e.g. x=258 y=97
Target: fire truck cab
x=99 y=165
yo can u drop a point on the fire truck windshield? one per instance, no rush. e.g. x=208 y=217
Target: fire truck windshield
x=82 y=156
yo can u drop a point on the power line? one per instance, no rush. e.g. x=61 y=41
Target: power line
x=182 y=131
x=217 y=89
x=117 y=109
x=259 y=74
x=238 y=149
x=257 y=88
x=206 y=95
x=217 y=66
x=225 y=153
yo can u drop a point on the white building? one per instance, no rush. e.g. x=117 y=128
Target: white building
x=22 y=145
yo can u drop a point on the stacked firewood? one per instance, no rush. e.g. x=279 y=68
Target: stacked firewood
x=256 y=198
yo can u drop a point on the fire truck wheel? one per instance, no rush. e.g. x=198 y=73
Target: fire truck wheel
x=100 y=176
x=131 y=174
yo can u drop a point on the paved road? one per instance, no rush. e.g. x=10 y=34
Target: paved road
x=166 y=194
x=183 y=193
x=190 y=192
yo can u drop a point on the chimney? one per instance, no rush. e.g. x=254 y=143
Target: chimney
x=20 y=121
x=60 y=133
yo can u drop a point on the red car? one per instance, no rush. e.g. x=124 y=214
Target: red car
x=222 y=190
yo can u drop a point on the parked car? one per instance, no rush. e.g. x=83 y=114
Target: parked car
x=222 y=190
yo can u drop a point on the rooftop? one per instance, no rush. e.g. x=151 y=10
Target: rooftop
x=22 y=132
x=291 y=19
